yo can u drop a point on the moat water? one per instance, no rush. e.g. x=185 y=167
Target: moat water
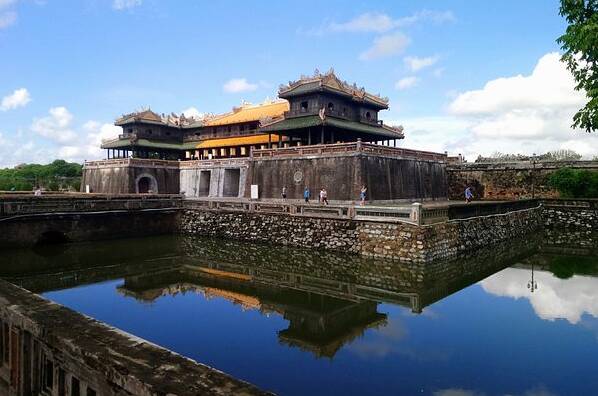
x=300 y=322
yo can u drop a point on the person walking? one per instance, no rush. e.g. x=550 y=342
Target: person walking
x=324 y=196
x=362 y=195
x=306 y=194
x=283 y=193
x=468 y=195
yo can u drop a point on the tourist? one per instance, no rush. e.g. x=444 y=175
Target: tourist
x=37 y=192
x=306 y=194
x=283 y=193
x=362 y=194
x=324 y=196
x=468 y=195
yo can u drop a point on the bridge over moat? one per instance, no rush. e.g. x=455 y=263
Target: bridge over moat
x=27 y=220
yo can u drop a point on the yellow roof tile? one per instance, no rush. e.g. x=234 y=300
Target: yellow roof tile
x=237 y=141
x=249 y=113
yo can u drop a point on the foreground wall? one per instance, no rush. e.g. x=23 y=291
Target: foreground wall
x=397 y=241
x=48 y=349
x=387 y=178
x=508 y=180
x=74 y=227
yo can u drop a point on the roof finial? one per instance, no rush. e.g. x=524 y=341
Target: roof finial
x=317 y=72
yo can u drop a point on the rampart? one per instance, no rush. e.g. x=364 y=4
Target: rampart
x=125 y=175
x=343 y=168
x=511 y=180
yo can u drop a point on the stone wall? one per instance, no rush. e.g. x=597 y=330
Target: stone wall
x=508 y=180
x=387 y=178
x=122 y=176
x=215 y=178
x=571 y=224
x=398 y=241
x=57 y=351
x=74 y=227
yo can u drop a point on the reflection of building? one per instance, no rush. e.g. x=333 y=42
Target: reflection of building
x=317 y=322
x=328 y=298
x=320 y=131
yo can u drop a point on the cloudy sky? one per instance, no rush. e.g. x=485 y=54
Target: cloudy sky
x=468 y=77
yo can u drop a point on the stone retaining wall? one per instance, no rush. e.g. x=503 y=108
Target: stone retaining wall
x=397 y=241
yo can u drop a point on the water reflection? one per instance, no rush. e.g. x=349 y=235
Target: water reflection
x=328 y=299
x=559 y=298
x=352 y=325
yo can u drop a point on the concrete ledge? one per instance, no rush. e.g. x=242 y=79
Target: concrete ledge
x=101 y=358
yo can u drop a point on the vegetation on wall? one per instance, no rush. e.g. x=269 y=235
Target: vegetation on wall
x=551 y=156
x=575 y=183
x=57 y=176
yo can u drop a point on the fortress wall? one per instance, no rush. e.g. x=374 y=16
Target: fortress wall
x=513 y=180
x=386 y=178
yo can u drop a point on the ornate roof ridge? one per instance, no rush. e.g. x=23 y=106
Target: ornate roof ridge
x=325 y=78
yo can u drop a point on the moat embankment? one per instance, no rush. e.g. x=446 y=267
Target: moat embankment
x=411 y=233
x=420 y=235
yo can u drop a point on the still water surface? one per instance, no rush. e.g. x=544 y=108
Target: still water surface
x=300 y=322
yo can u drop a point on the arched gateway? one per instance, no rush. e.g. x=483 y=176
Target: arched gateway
x=146 y=183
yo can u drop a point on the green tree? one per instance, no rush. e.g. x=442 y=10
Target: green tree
x=59 y=175
x=580 y=46
x=575 y=183
x=562 y=155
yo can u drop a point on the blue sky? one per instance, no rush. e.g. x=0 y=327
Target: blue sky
x=449 y=68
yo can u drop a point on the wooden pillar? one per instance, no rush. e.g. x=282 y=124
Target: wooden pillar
x=322 y=135
x=309 y=137
x=269 y=140
x=332 y=136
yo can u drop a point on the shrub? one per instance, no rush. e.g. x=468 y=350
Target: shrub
x=575 y=183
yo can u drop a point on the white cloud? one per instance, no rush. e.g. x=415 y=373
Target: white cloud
x=439 y=134
x=19 y=98
x=84 y=144
x=6 y=3
x=427 y=15
x=385 y=46
x=555 y=298
x=7 y=18
x=125 y=4
x=518 y=114
x=415 y=63
x=236 y=85
x=192 y=112
x=407 y=82
x=380 y=23
x=56 y=126
x=368 y=22
x=549 y=86
x=7 y=15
